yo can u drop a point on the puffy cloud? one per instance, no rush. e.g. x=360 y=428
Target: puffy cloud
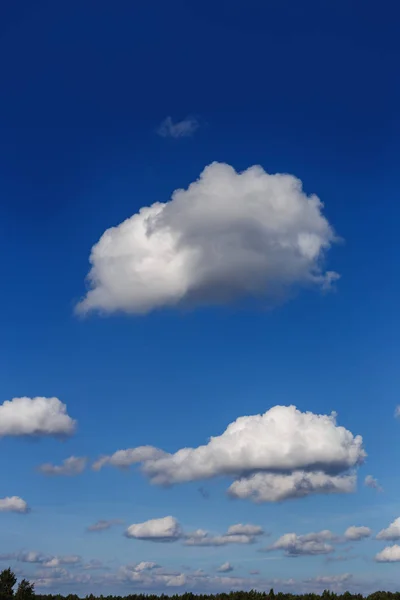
x=166 y=529
x=103 y=525
x=35 y=417
x=184 y=128
x=283 y=453
x=57 y=561
x=371 y=482
x=302 y=545
x=247 y=529
x=226 y=567
x=13 y=504
x=354 y=533
x=390 y=533
x=271 y=487
x=125 y=458
x=74 y=465
x=389 y=554
x=229 y=235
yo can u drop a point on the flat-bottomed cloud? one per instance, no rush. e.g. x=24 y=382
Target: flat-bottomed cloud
x=13 y=504
x=41 y=417
x=228 y=236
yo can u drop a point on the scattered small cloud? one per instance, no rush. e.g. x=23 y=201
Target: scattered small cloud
x=391 y=533
x=310 y=544
x=74 y=465
x=226 y=567
x=36 y=417
x=354 y=533
x=397 y=411
x=207 y=247
x=57 y=561
x=371 y=482
x=123 y=459
x=389 y=554
x=34 y=557
x=236 y=534
x=246 y=529
x=185 y=128
x=13 y=504
x=166 y=529
x=330 y=579
x=102 y=525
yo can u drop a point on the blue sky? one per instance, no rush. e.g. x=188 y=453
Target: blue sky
x=308 y=89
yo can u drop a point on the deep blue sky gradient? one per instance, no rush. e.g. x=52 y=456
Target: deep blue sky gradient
x=309 y=88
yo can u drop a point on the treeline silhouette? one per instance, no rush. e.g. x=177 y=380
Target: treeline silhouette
x=251 y=595
x=26 y=591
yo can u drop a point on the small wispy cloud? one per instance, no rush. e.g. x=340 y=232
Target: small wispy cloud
x=102 y=525
x=180 y=129
x=371 y=482
x=74 y=465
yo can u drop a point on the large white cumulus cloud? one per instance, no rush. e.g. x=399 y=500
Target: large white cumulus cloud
x=283 y=439
x=227 y=236
x=283 y=453
x=35 y=417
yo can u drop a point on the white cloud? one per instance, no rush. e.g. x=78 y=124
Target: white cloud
x=271 y=487
x=74 y=465
x=389 y=554
x=125 y=458
x=283 y=453
x=180 y=129
x=13 y=504
x=166 y=529
x=35 y=417
x=371 y=482
x=354 y=533
x=228 y=236
x=57 y=561
x=302 y=545
x=226 y=567
x=246 y=529
x=390 y=533
x=397 y=411
x=236 y=534
x=146 y=566
x=102 y=525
